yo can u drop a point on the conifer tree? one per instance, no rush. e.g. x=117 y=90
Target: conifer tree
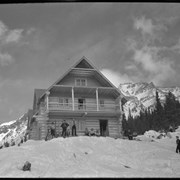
x=160 y=118
x=124 y=124
x=172 y=109
x=158 y=114
x=130 y=122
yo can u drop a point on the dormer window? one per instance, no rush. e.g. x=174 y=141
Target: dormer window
x=80 y=82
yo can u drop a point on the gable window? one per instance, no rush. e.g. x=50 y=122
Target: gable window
x=80 y=82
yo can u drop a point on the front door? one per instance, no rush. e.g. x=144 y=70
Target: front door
x=103 y=127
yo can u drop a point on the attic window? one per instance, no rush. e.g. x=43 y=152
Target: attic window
x=81 y=82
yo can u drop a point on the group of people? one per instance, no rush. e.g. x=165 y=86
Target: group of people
x=92 y=132
x=65 y=130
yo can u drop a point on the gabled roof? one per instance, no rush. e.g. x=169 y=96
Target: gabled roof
x=85 y=64
x=39 y=92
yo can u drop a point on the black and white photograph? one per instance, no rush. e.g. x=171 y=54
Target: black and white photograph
x=90 y=90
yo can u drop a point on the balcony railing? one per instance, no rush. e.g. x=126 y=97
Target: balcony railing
x=54 y=106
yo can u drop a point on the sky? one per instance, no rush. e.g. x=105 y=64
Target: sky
x=127 y=42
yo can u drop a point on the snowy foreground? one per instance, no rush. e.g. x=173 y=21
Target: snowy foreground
x=93 y=157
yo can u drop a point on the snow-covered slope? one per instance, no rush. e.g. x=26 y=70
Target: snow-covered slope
x=142 y=95
x=93 y=157
x=13 y=131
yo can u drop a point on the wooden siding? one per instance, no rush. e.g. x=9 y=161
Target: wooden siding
x=33 y=134
x=92 y=123
x=39 y=128
x=70 y=81
x=41 y=125
x=80 y=124
x=112 y=125
x=89 y=123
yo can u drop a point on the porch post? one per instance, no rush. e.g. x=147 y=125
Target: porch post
x=97 y=99
x=72 y=98
x=47 y=100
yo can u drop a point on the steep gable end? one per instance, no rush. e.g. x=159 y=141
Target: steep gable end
x=84 y=64
x=84 y=68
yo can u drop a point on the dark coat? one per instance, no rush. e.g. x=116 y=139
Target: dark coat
x=178 y=142
x=64 y=125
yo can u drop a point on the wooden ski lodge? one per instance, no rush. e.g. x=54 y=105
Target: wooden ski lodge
x=82 y=94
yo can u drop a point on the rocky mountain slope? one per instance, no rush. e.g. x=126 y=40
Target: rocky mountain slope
x=14 y=131
x=142 y=95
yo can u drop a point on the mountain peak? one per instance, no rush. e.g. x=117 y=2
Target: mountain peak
x=144 y=93
x=13 y=130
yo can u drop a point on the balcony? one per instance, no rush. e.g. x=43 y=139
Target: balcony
x=54 y=106
x=78 y=100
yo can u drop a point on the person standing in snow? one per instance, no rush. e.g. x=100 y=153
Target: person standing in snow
x=129 y=134
x=48 y=136
x=68 y=131
x=64 y=126
x=178 y=144
x=170 y=128
x=74 y=129
x=52 y=127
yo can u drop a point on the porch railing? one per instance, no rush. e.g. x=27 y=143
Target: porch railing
x=55 y=106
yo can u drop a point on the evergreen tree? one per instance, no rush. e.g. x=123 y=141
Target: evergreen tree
x=124 y=124
x=158 y=114
x=160 y=118
x=130 y=122
x=146 y=120
x=172 y=110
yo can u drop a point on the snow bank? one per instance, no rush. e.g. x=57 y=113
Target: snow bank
x=151 y=134
x=91 y=157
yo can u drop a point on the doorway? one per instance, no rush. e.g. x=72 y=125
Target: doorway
x=103 y=127
x=81 y=104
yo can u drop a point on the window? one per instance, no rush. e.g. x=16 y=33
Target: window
x=81 y=104
x=101 y=102
x=80 y=82
x=66 y=102
x=83 y=82
x=63 y=101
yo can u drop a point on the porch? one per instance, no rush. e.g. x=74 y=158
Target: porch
x=81 y=99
